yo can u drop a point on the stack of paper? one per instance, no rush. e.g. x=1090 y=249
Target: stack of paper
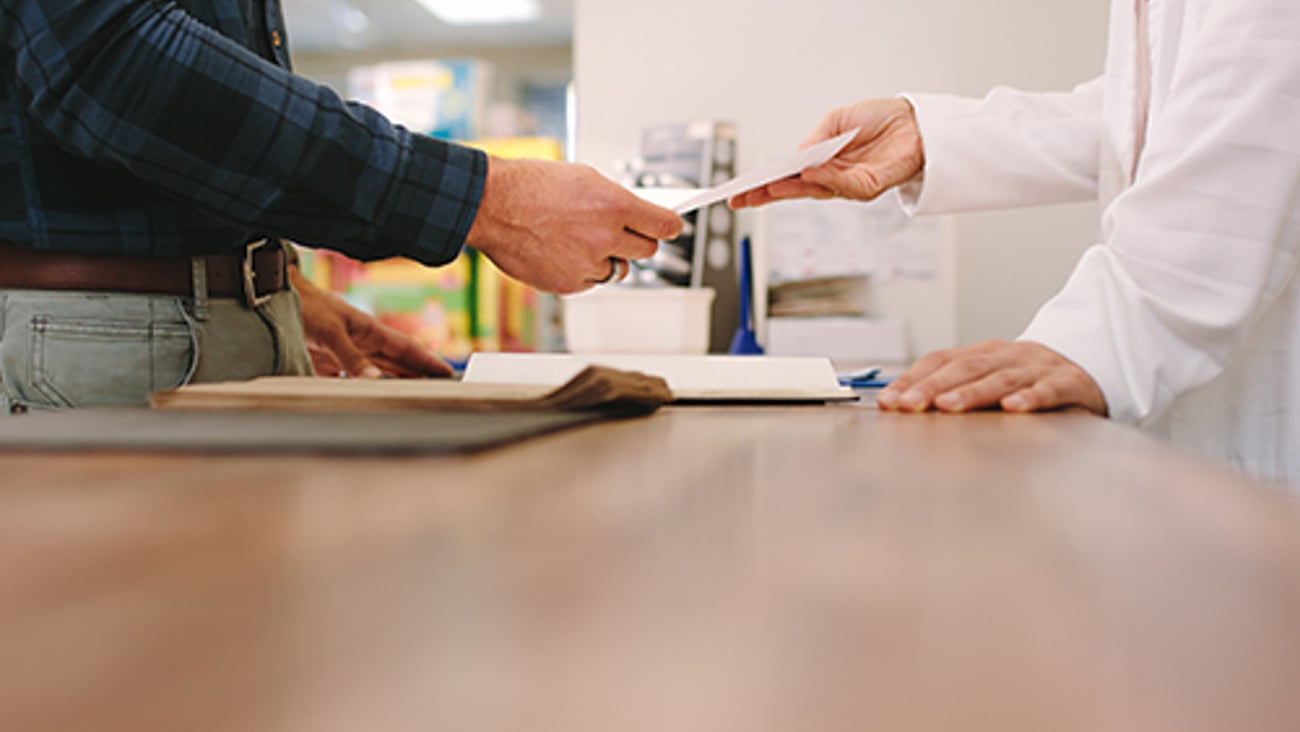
x=591 y=388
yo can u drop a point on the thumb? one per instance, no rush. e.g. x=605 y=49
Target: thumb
x=831 y=124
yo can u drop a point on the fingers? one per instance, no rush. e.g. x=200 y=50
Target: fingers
x=619 y=251
x=830 y=125
x=785 y=189
x=915 y=390
x=985 y=391
x=650 y=221
x=323 y=361
x=555 y=225
x=1070 y=386
x=1035 y=397
x=629 y=244
x=615 y=270
x=858 y=181
x=1019 y=377
x=834 y=122
x=956 y=380
x=393 y=352
x=350 y=358
x=402 y=355
x=886 y=152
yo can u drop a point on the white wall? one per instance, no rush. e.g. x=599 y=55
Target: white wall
x=1009 y=263
x=774 y=66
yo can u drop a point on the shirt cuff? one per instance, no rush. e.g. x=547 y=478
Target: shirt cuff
x=935 y=113
x=436 y=199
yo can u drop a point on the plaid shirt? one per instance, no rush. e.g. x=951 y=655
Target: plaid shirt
x=175 y=128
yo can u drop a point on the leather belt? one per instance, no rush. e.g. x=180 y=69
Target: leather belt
x=253 y=274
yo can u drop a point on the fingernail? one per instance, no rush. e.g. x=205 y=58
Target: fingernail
x=888 y=398
x=949 y=402
x=1015 y=403
x=913 y=399
x=371 y=372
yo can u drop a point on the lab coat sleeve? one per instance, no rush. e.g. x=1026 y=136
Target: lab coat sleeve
x=1011 y=148
x=1206 y=238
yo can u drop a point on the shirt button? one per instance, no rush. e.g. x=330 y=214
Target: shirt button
x=275 y=38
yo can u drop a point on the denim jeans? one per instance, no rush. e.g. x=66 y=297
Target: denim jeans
x=62 y=349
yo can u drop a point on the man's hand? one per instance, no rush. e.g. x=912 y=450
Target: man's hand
x=342 y=339
x=886 y=152
x=1019 y=377
x=559 y=226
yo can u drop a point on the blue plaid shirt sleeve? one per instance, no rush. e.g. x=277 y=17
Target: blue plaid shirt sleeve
x=144 y=87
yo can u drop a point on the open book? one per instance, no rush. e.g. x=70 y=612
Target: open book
x=691 y=378
x=595 y=388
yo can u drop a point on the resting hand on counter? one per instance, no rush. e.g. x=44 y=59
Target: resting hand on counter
x=886 y=152
x=563 y=227
x=343 y=339
x=1018 y=377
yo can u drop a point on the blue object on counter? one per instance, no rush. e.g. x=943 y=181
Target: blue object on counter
x=744 y=343
x=868 y=378
x=866 y=383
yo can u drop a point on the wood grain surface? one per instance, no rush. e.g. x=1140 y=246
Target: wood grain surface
x=699 y=569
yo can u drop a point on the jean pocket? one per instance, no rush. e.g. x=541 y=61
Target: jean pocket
x=91 y=362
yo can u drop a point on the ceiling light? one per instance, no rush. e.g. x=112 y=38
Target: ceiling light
x=466 y=12
x=348 y=18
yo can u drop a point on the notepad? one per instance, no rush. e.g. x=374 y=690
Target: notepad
x=690 y=378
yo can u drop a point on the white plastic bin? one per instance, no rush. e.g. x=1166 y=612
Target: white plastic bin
x=638 y=320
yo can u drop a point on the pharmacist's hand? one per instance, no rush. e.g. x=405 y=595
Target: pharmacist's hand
x=342 y=339
x=560 y=227
x=886 y=152
x=1018 y=377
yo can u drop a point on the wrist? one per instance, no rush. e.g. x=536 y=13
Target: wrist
x=906 y=114
x=488 y=222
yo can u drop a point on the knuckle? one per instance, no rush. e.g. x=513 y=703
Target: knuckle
x=1006 y=380
x=969 y=367
x=1047 y=394
x=934 y=360
x=601 y=240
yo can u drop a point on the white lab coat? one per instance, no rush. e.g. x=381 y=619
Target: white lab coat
x=1187 y=312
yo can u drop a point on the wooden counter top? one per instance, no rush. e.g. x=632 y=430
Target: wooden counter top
x=738 y=569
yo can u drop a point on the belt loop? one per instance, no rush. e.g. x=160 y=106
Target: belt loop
x=199 y=287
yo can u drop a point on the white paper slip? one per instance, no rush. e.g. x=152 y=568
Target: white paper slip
x=669 y=198
x=809 y=157
x=691 y=378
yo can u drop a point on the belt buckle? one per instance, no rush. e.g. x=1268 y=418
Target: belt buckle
x=251 y=298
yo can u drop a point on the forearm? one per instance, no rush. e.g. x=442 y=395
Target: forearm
x=145 y=87
x=1009 y=149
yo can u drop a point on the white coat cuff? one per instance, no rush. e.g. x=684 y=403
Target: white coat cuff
x=941 y=139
